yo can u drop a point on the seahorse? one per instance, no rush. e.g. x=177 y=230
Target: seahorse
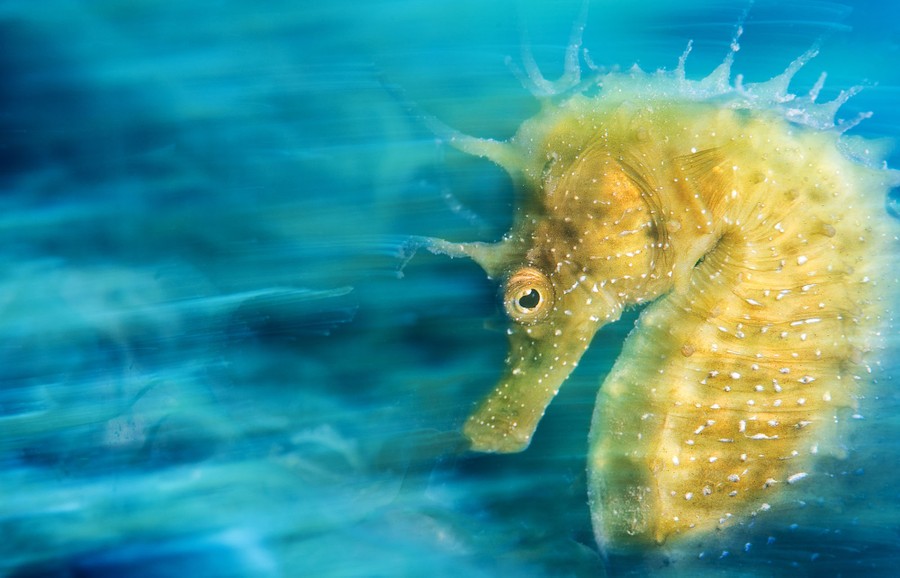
x=752 y=230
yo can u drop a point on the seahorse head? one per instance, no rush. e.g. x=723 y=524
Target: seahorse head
x=586 y=242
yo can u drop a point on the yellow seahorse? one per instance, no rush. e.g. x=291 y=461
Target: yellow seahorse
x=756 y=231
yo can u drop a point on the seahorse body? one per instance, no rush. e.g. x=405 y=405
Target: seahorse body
x=761 y=245
x=731 y=381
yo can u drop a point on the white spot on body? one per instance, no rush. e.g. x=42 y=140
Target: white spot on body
x=794 y=478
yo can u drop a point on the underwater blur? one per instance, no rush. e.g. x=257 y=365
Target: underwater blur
x=222 y=357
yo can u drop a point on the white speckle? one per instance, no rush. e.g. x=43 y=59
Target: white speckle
x=675 y=460
x=802 y=259
x=734 y=478
x=826 y=396
x=793 y=479
x=688 y=495
x=735 y=375
x=765 y=507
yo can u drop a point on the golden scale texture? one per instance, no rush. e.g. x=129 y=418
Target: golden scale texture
x=758 y=236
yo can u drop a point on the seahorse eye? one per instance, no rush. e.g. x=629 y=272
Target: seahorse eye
x=528 y=296
x=530 y=300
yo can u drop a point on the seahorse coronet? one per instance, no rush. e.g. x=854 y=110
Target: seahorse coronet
x=756 y=232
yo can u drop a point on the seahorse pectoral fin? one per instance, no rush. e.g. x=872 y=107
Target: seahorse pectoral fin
x=692 y=232
x=705 y=181
x=540 y=360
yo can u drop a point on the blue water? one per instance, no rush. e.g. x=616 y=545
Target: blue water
x=216 y=357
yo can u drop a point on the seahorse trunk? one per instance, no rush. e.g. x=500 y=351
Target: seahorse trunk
x=728 y=385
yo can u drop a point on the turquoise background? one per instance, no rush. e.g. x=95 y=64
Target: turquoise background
x=218 y=356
